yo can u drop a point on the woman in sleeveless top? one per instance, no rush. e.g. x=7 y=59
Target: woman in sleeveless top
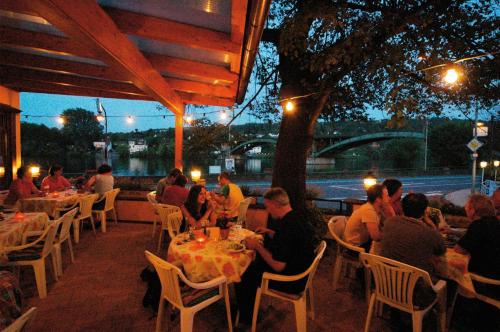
x=101 y=183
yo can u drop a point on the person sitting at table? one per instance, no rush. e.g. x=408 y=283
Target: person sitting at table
x=176 y=194
x=21 y=188
x=229 y=198
x=102 y=182
x=395 y=190
x=496 y=202
x=166 y=182
x=481 y=242
x=288 y=250
x=364 y=225
x=55 y=181
x=197 y=208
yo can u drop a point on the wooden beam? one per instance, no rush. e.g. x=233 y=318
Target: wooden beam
x=202 y=88
x=190 y=68
x=62 y=89
x=61 y=45
x=86 y=22
x=12 y=73
x=172 y=32
x=195 y=99
x=178 y=142
x=238 y=20
x=25 y=60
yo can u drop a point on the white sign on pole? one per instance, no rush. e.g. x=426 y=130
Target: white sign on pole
x=230 y=164
x=474 y=144
x=214 y=169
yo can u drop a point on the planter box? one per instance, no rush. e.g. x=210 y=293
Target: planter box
x=133 y=205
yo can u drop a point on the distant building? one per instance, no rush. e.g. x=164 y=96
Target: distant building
x=137 y=145
x=255 y=150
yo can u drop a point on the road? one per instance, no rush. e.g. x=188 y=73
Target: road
x=353 y=188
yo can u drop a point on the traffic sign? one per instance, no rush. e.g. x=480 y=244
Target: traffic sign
x=474 y=144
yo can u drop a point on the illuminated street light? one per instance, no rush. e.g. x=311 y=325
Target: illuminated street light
x=60 y=120
x=195 y=175
x=483 y=165
x=496 y=163
x=35 y=171
x=100 y=117
x=451 y=76
x=289 y=106
x=369 y=180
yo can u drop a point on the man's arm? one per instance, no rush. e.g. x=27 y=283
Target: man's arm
x=374 y=231
x=254 y=244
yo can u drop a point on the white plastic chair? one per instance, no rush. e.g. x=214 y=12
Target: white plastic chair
x=171 y=291
x=66 y=221
x=23 y=322
x=85 y=214
x=242 y=211
x=171 y=224
x=34 y=255
x=110 y=197
x=345 y=254
x=299 y=300
x=487 y=281
x=394 y=285
x=152 y=199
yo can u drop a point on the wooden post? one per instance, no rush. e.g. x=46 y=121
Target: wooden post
x=178 y=141
x=10 y=126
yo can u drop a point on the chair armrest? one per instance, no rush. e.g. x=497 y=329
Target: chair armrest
x=100 y=199
x=484 y=280
x=31 y=244
x=29 y=234
x=67 y=208
x=352 y=247
x=204 y=285
x=439 y=287
x=280 y=277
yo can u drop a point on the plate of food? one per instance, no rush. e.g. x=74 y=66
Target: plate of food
x=233 y=247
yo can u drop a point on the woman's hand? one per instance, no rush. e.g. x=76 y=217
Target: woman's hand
x=251 y=243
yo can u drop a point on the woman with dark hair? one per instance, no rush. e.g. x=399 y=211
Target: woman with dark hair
x=197 y=208
x=176 y=194
x=22 y=187
x=101 y=183
x=395 y=190
x=55 y=181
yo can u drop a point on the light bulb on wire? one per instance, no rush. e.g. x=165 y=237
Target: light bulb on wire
x=289 y=106
x=223 y=115
x=451 y=76
x=189 y=119
x=130 y=120
x=60 y=120
x=100 y=117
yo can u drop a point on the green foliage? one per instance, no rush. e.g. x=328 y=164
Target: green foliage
x=81 y=129
x=403 y=152
x=315 y=218
x=202 y=141
x=41 y=145
x=447 y=144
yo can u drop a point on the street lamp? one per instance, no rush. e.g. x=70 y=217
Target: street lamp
x=483 y=165
x=369 y=180
x=101 y=116
x=496 y=163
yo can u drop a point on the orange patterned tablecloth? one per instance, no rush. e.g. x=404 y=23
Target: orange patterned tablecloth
x=454 y=266
x=49 y=203
x=205 y=261
x=12 y=230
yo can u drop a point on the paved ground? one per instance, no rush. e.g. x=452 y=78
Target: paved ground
x=102 y=291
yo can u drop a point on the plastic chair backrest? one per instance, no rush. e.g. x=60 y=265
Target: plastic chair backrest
x=110 y=199
x=23 y=322
x=164 y=211
x=320 y=250
x=152 y=198
x=394 y=281
x=50 y=237
x=86 y=205
x=242 y=210
x=486 y=281
x=337 y=231
x=66 y=221
x=169 y=279
x=174 y=222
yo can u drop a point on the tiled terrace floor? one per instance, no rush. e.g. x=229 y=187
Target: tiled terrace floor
x=102 y=291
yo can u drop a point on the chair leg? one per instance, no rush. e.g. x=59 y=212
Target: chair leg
x=256 y=309
x=417 y=317
x=368 y=284
x=103 y=222
x=370 y=313
x=337 y=269
x=70 y=247
x=228 y=308
x=161 y=313
x=310 y=290
x=114 y=216
x=452 y=308
x=160 y=238
x=76 y=230
x=187 y=321
x=57 y=259
x=93 y=224
x=41 y=283
x=301 y=314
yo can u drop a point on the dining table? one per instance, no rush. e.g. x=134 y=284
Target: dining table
x=14 y=225
x=51 y=202
x=204 y=258
x=453 y=265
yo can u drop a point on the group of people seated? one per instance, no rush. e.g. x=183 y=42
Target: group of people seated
x=197 y=204
x=23 y=187
x=403 y=230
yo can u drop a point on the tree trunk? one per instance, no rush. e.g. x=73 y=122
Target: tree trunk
x=293 y=146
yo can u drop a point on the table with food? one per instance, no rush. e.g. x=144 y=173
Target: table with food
x=50 y=203
x=207 y=256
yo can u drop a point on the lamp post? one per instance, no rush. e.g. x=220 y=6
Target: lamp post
x=496 y=163
x=483 y=165
x=101 y=116
x=474 y=154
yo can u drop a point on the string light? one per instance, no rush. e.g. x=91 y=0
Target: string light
x=189 y=119
x=130 y=120
x=289 y=106
x=100 y=117
x=451 y=76
x=223 y=115
x=61 y=120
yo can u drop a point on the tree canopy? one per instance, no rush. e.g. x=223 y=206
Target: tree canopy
x=340 y=59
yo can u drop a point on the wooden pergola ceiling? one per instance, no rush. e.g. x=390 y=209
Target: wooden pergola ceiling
x=174 y=51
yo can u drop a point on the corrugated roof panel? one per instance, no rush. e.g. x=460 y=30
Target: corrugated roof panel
x=49 y=54
x=211 y=14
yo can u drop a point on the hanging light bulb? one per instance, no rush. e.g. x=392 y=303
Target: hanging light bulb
x=451 y=76
x=289 y=106
x=189 y=119
x=223 y=115
x=60 y=120
x=130 y=120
